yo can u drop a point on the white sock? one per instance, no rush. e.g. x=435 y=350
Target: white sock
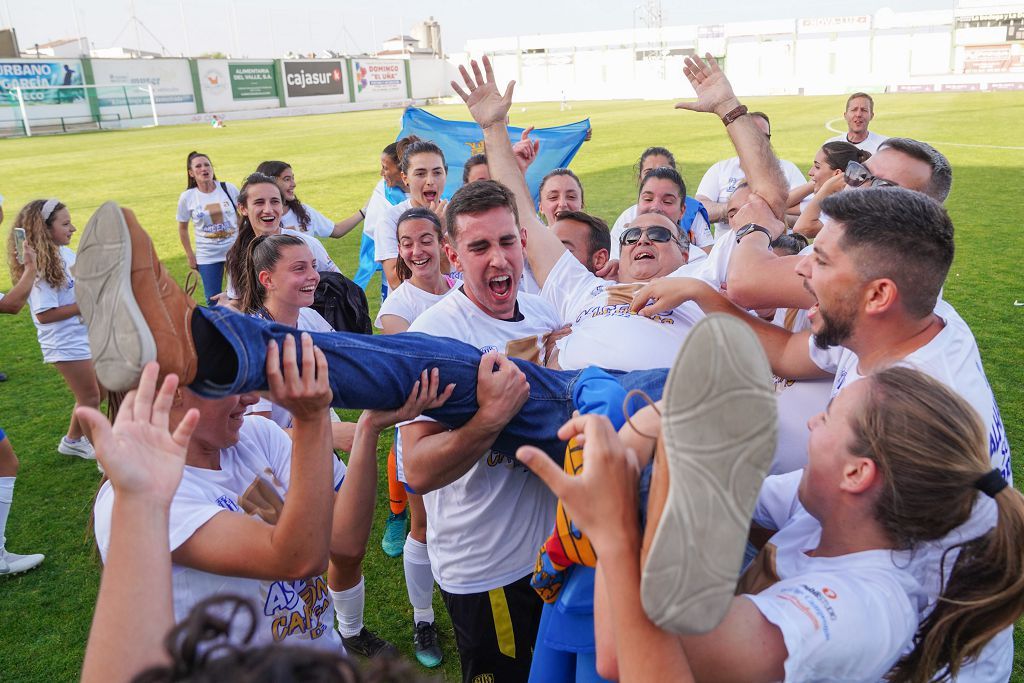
x=348 y=606
x=419 y=580
x=6 y=498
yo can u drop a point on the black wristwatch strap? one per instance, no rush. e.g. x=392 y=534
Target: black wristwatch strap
x=749 y=228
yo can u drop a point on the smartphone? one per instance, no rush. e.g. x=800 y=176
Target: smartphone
x=19 y=244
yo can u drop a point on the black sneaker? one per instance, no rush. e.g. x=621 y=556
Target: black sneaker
x=424 y=642
x=369 y=644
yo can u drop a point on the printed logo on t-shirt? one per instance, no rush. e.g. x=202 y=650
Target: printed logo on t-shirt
x=298 y=608
x=619 y=298
x=813 y=604
x=262 y=500
x=228 y=504
x=211 y=222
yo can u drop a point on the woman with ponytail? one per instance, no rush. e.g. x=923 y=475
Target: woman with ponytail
x=896 y=552
x=303 y=217
x=826 y=174
x=260 y=206
x=280 y=278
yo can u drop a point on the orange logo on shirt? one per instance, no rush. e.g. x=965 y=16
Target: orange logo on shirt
x=829 y=593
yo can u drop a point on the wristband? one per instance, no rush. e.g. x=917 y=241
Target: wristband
x=734 y=114
x=362 y=213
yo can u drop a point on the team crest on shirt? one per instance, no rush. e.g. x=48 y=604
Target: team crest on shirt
x=488 y=348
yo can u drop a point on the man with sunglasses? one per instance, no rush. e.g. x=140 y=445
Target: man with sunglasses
x=604 y=333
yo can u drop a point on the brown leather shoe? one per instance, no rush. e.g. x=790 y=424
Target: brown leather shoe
x=134 y=310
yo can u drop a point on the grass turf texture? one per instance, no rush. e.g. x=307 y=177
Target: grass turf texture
x=45 y=615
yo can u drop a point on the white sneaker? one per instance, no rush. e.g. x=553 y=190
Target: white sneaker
x=80 y=449
x=11 y=564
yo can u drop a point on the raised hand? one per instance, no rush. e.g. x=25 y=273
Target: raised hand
x=426 y=394
x=486 y=104
x=139 y=454
x=714 y=92
x=525 y=150
x=306 y=394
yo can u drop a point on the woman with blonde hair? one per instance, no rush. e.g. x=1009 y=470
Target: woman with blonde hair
x=62 y=334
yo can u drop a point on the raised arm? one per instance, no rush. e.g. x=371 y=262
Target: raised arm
x=344 y=226
x=297 y=546
x=761 y=166
x=14 y=300
x=144 y=462
x=490 y=109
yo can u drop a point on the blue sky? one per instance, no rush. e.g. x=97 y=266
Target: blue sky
x=265 y=28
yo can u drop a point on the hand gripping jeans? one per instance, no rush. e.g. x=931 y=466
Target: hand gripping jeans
x=378 y=372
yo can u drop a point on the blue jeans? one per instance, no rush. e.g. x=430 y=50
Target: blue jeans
x=212 y=275
x=378 y=372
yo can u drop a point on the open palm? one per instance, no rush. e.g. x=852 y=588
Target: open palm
x=714 y=92
x=486 y=104
x=138 y=453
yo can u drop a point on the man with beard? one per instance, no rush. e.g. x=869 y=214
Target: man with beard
x=874 y=281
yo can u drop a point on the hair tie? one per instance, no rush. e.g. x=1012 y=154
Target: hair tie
x=991 y=483
x=48 y=208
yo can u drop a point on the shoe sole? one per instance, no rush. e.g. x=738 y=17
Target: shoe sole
x=75 y=454
x=119 y=337
x=718 y=437
x=24 y=571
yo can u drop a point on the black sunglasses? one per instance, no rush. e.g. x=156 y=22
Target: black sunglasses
x=655 y=233
x=857 y=174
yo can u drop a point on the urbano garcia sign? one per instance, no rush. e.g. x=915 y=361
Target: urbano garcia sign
x=312 y=78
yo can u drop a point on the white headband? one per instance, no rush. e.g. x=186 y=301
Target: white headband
x=48 y=208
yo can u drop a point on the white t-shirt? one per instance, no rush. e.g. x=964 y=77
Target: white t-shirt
x=309 y=321
x=798 y=402
x=699 y=230
x=604 y=332
x=407 y=302
x=295 y=612
x=870 y=143
x=385 y=239
x=845 y=618
x=64 y=340
x=952 y=358
x=377 y=207
x=214 y=221
x=319 y=225
x=721 y=180
x=484 y=529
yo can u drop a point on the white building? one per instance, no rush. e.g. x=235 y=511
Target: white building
x=976 y=46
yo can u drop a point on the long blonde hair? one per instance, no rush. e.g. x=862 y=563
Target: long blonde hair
x=49 y=262
x=931 y=449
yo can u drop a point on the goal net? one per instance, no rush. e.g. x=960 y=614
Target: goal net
x=47 y=109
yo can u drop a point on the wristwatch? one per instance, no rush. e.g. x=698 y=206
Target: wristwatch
x=749 y=228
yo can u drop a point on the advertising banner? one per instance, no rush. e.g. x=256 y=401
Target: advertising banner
x=252 y=81
x=311 y=78
x=171 y=80
x=36 y=78
x=377 y=79
x=834 y=24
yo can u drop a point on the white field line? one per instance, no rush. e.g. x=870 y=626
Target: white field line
x=833 y=129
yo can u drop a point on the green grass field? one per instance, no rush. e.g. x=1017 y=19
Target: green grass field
x=45 y=615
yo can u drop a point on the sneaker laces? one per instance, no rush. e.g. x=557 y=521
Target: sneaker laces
x=629 y=418
x=191 y=282
x=426 y=635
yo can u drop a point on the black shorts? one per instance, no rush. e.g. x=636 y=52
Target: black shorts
x=495 y=631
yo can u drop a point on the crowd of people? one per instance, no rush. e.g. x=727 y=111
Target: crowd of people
x=737 y=436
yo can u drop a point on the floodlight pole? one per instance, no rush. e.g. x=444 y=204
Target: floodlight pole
x=152 y=104
x=24 y=114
